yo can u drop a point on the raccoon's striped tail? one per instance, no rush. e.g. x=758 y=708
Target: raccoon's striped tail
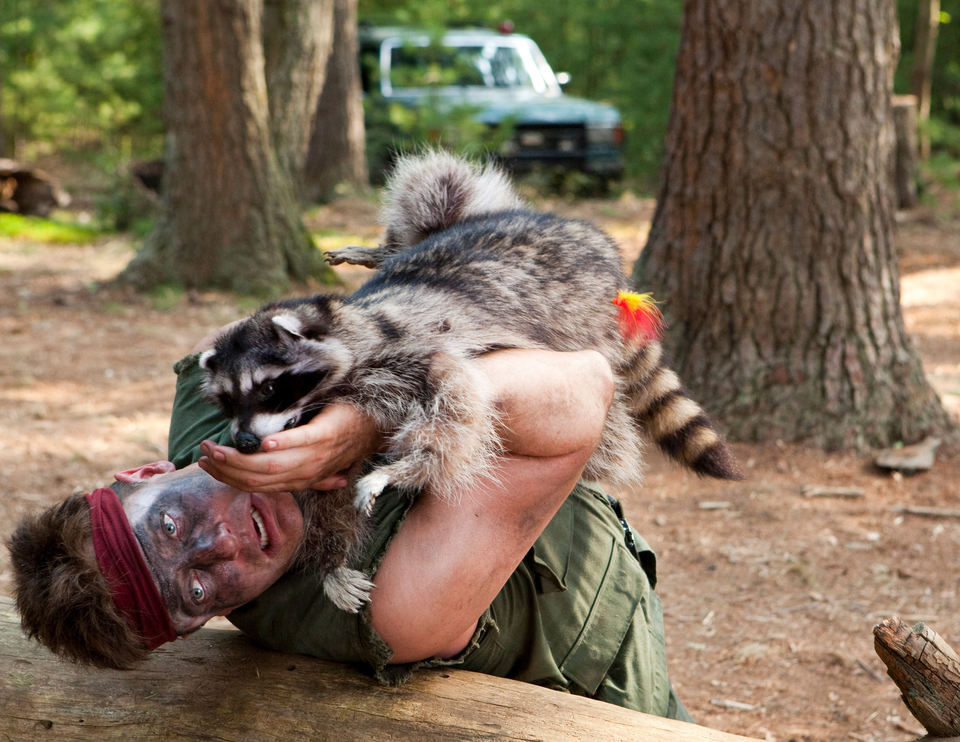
x=679 y=426
x=432 y=191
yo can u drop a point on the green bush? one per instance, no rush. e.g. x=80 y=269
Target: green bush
x=79 y=73
x=125 y=206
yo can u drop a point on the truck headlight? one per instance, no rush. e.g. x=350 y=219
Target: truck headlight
x=605 y=133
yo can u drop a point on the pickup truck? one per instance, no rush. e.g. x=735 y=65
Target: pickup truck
x=503 y=78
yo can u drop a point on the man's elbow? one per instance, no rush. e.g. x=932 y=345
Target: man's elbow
x=597 y=387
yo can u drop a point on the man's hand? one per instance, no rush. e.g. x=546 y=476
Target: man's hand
x=312 y=456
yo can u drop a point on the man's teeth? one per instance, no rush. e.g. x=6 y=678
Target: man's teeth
x=261 y=531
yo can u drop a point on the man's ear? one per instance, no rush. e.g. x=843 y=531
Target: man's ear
x=145 y=472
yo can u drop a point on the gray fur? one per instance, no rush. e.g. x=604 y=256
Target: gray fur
x=464 y=270
x=348 y=589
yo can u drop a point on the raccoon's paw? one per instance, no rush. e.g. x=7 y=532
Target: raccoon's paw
x=348 y=589
x=368 y=257
x=368 y=489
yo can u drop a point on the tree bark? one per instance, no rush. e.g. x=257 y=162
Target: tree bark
x=297 y=43
x=924 y=51
x=772 y=241
x=337 y=151
x=231 y=216
x=907 y=150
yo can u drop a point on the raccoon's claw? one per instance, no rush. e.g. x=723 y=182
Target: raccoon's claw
x=348 y=589
x=368 y=489
x=354 y=255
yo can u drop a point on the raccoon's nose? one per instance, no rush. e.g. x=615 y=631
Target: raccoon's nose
x=246 y=442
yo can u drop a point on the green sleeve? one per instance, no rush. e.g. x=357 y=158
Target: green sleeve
x=194 y=418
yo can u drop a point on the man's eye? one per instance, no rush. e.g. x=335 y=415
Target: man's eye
x=267 y=390
x=197 y=592
x=169 y=525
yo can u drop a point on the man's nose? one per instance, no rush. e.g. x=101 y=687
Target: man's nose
x=221 y=545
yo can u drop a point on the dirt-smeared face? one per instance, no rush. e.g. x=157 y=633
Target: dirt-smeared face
x=211 y=547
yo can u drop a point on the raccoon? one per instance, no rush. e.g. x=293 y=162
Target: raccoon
x=465 y=269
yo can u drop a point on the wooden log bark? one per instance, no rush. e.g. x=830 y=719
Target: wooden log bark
x=217 y=685
x=927 y=672
x=27 y=190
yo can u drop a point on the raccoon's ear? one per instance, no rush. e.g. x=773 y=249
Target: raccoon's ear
x=290 y=323
x=207 y=360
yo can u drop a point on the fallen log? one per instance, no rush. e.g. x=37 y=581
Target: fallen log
x=29 y=191
x=217 y=685
x=927 y=672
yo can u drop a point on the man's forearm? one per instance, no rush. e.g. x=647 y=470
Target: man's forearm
x=450 y=559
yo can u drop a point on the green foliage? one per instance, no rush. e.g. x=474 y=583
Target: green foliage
x=38 y=229
x=944 y=137
x=940 y=185
x=125 y=206
x=945 y=98
x=165 y=296
x=80 y=73
x=941 y=173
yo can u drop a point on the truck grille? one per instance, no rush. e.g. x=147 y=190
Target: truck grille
x=555 y=140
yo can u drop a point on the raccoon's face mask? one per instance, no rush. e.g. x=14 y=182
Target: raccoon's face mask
x=272 y=373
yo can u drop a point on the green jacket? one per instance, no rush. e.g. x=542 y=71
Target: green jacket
x=578 y=614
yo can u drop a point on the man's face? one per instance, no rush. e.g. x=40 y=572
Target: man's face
x=211 y=547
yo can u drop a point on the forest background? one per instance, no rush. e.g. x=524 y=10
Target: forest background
x=83 y=79
x=770 y=592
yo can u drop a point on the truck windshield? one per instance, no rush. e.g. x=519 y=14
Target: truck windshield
x=487 y=66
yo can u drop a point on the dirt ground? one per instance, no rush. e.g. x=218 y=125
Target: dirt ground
x=770 y=596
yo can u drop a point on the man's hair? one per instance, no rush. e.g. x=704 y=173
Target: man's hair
x=63 y=599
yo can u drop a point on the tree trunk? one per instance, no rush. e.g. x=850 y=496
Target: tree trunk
x=772 y=241
x=297 y=42
x=231 y=216
x=924 y=51
x=906 y=150
x=337 y=147
x=3 y=128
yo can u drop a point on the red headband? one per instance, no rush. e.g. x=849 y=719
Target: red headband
x=121 y=561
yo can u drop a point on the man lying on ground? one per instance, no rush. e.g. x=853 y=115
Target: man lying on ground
x=534 y=576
